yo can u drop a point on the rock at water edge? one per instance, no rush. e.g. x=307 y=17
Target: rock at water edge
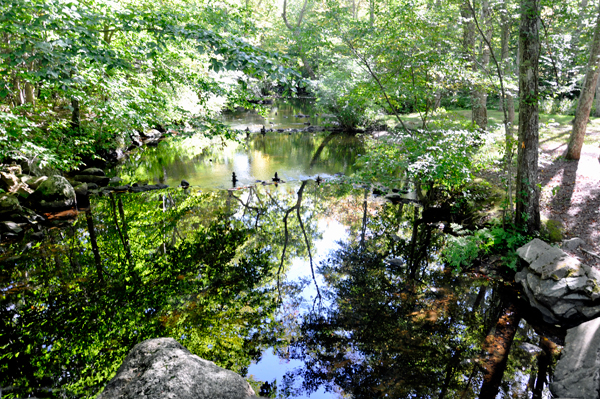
x=162 y=368
x=577 y=374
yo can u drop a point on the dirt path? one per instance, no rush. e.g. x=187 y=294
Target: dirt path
x=571 y=193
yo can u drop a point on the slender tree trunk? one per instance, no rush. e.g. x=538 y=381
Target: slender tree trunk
x=468 y=42
x=480 y=95
x=586 y=98
x=528 y=193
x=597 y=110
x=506 y=67
x=20 y=98
x=75 y=117
x=498 y=347
x=29 y=93
x=450 y=368
x=295 y=29
x=92 y=232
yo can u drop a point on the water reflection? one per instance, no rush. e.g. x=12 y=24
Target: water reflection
x=210 y=164
x=291 y=113
x=209 y=269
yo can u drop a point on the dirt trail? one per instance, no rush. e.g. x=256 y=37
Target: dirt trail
x=571 y=194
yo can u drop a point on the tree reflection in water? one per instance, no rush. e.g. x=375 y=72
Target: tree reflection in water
x=400 y=325
x=205 y=268
x=133 y=267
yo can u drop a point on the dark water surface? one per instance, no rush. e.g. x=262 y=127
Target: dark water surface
x=335 y=290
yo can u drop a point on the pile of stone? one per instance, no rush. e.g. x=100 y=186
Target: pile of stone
x=562 y=288
x=566 y=292
x=27 y=198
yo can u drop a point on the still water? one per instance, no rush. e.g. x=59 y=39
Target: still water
x=337 y=291
x=294 y=156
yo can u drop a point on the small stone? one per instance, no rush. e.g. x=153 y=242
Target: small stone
x=92 y=172
x=10 y=227
x=572 y=244
x=114 y=181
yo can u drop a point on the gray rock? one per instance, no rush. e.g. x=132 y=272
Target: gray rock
x=152 y=133
x=162 y=368
x=81 y=189
x=530 y=348
x=9 y=204
x=92 y=172
x=577 y=372
x=124 y=188
x=54 y=188
x=114 y=181
x=54 y=193
x=562 y=288
x=572 y=244
x=10 y=227
x=148 y=187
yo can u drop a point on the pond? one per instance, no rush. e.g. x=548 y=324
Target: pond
x=294 y=156
x=337 y=290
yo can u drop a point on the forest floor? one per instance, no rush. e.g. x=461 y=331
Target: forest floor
x=571 y=189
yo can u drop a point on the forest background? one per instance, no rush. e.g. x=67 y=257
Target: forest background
x=465 y=86
x=77 y=79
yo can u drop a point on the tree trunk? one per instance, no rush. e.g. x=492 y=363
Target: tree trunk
x=597 y=110
x=468 y=41
x=94 y=243
x=75 y=118
x=498 y=347
x=528 y=193
x=451 y=366
x=586 y=98
x=544 y=362
x=480 y=95
x=29 y=95
x=506 y=67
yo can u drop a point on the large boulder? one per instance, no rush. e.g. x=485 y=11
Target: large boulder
x=54 y=193
x=576 y=375
x=565 y=290
x=162 y=368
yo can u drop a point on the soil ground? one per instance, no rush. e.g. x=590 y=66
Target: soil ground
x=571 y=190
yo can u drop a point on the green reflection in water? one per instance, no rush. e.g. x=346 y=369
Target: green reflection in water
x=133 y=267
x=204 y=268
x=210 y=164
